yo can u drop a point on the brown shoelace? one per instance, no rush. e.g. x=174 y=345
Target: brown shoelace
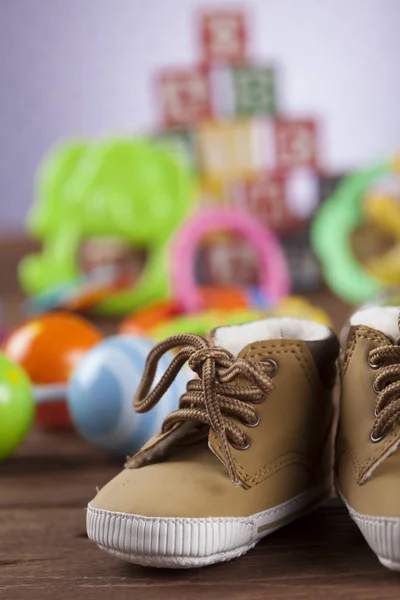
x=214 y=396
x=386 y=359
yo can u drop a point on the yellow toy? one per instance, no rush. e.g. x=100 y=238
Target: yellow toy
x=383 y=211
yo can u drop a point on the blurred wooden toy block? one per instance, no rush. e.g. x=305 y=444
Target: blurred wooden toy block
x=184 y=96
x=231 y=260
x=243 y=91
x=268 y=197
x=295 y=144
x=265 y=197
x=223 y=36
x=227 y=149
x=227 y=259
x=254 y=90
x=181 y=141
x=304 y=267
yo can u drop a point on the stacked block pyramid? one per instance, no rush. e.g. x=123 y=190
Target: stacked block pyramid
x=224 y=114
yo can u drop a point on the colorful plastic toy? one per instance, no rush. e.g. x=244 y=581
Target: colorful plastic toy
x=48 y=348
x=222 y=298
x=299 y=307
x=331 y=233
x=101 y=391
x=83 y=294
x=291 y=306
x=16 y=406
x=274 y=274
x=204 y=321
x=143 y=320
x=383 y=211
x=173 y=323
x=130 y=190
x=99 y=397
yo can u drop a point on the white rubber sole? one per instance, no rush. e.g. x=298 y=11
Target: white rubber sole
x=186 y=543
x=389 y=564
x=382 y=534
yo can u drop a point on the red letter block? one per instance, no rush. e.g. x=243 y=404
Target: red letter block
x=295 y=144
x=270 y=197
x=184 y=96
x=223 y=37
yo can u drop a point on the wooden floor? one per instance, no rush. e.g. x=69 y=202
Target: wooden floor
x=45 y=554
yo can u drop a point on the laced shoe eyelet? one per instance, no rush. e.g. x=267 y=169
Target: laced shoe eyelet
x=253 y=423
x=273 y=364
x=374 y=365
x=259 y=401
x=245 y=446
x=376 y=440
x=375 y=388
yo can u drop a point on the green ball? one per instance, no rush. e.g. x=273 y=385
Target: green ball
x=17 y=406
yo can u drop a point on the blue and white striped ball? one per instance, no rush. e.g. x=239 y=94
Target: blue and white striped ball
x=101 y=391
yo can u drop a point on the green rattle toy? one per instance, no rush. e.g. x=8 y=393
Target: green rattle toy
x=114 y=190
x=331 y=233
x=17 y=407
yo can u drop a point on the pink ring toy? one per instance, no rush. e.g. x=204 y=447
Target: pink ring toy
x=274 y=272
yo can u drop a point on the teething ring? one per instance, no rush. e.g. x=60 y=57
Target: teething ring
x=338 y=217
x=274 y=272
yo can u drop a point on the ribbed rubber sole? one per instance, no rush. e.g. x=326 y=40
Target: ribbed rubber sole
x=382 y=534
x=389 y=564
x=185 y=543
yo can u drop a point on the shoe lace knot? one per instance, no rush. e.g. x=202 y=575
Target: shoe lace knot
x=215 y=396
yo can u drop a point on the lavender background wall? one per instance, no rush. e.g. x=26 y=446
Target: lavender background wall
x=84 y=67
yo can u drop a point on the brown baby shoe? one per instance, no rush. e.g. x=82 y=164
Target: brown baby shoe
x=248 y=450
x=367 y=448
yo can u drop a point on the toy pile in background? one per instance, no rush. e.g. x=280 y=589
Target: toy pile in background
x=223 y=115
x=59 y=370
x=216 y=233
x=60 y=367
x=104 y=212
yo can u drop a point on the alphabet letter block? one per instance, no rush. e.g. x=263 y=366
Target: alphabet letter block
x=184 y=96
x=223 y=36
x=254 y=90
x=227 y=149
x=295 y=144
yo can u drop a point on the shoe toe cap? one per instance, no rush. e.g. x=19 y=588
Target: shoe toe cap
x=169 y=489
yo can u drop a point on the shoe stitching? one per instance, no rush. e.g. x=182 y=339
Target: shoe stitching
x=361 y=334
x=277 y=349
x=274 y=467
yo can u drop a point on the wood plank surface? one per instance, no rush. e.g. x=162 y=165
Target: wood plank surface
x=45 y=554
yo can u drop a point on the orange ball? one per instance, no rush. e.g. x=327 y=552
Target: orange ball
x=48 y=348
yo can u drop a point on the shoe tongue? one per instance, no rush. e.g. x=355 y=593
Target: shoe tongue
x=381 y=318
x=236 y=338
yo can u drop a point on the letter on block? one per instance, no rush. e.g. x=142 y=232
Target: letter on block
x=254 y=90
x=227 y=149
x=184 y=96
x=295 y=144
x=223 y=36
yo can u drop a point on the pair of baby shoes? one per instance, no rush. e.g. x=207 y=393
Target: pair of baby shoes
x=250 y=448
